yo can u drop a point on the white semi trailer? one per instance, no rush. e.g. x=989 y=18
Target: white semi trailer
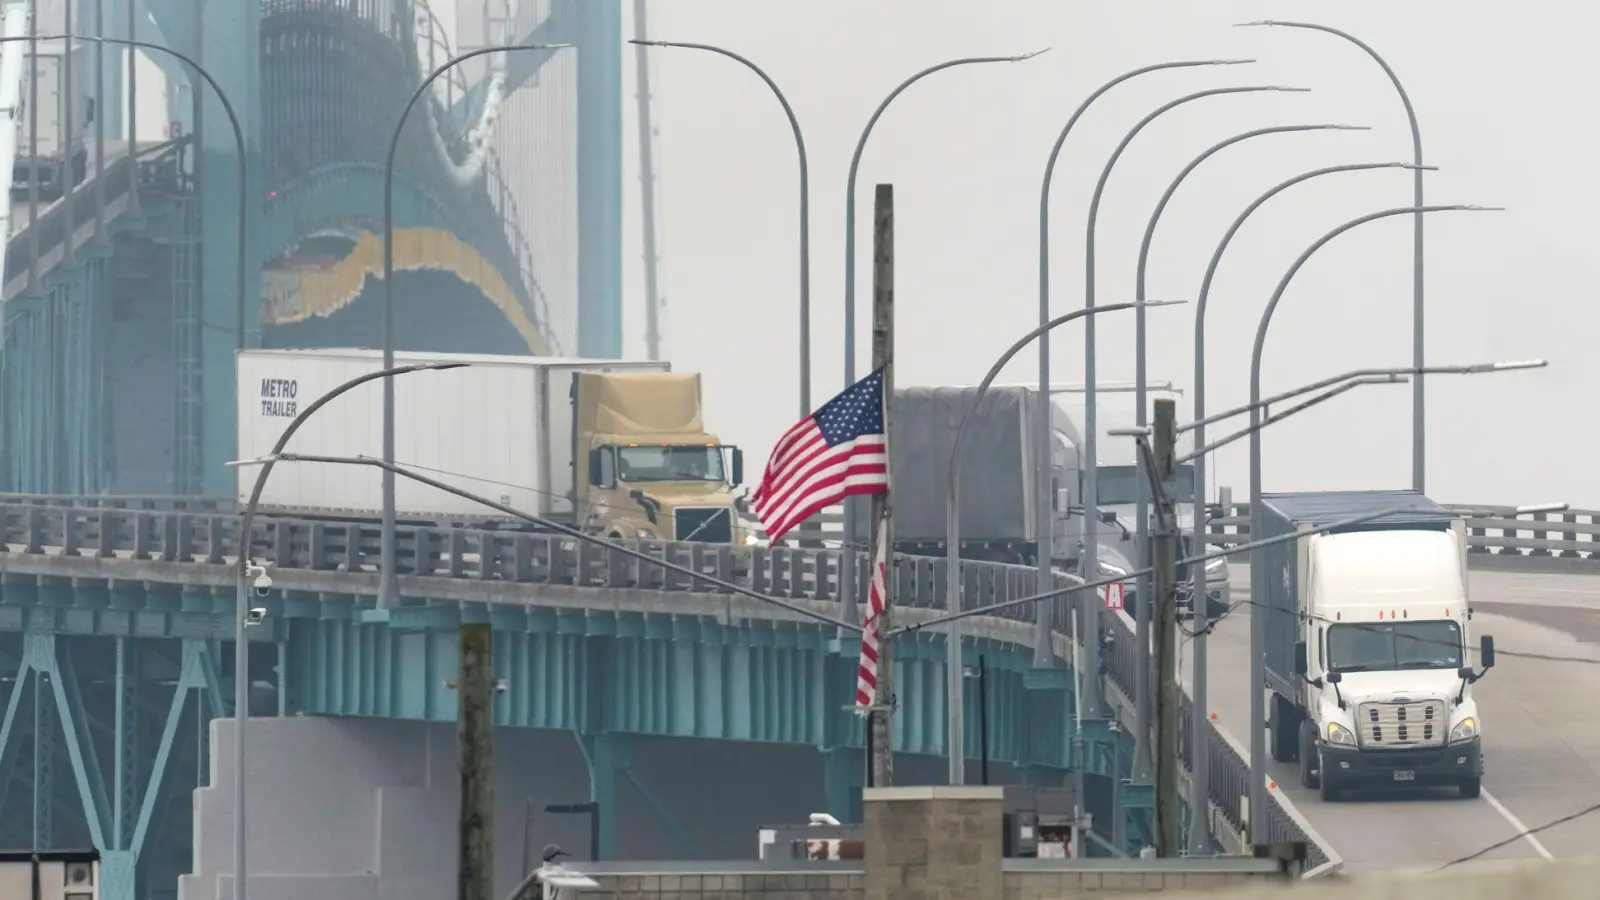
x=616 y=448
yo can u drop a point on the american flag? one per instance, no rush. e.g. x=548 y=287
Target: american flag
x=838 y=451
x=867 y=671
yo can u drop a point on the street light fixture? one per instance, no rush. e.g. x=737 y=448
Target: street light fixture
x=847 y=593
x=387 y=583
x=955 y=701
x=1419 y=420
x=805 y=204
x=1041 y=419
x=1091 y=493
x=1145 y=701
x=1202 y=837
x=1258 y=794
x=243 y=620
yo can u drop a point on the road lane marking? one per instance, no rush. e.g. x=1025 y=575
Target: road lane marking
x=1564 y=590
x=1509 y=816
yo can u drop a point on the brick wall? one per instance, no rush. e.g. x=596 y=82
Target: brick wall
x=1059 y=885
x=933 y=842
x=731 y=886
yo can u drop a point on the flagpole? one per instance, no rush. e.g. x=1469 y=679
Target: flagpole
x=880 y=762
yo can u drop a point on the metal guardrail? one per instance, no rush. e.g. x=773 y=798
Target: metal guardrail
x=1574 y=534
x=205 y=530
x=1228 y=772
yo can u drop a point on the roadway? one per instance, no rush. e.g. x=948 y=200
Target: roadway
x=1541 y=736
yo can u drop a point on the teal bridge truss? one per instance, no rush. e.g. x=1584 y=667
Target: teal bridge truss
x=118 y=612
x=120 y=317
x=121 y=313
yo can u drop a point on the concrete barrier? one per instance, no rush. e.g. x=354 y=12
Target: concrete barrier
x=1565 y=880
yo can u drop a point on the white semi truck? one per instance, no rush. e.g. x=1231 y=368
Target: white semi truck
x=51 y=147
x=1368 y=653
x=616 y=448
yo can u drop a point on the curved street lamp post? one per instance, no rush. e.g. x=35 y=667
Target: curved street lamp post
x=1258 y=734
x=387 y=583
x=955 y=685
x=241 y=691
x=241 y=637
x=1200 y=707
x=847 y=589
x=805 y=205
x=1142 y=621
x=1043 y=656
x=1419 y=423
x=1091 y=494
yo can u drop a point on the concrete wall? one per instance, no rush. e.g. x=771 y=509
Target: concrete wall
x=356 y=808
x=365 y=809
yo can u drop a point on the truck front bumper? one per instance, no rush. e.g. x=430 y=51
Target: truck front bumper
x=1352 y=767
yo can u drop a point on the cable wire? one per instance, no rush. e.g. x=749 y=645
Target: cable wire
x=1189 y=633
x=1526 y=833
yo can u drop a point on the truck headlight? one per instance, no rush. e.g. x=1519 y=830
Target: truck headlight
x=1338 y=734
x=1111 y=571
x=1214 y=566
x=751 y=539
x=1464 y=730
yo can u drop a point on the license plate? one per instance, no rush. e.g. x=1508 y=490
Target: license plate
x=1405 y=775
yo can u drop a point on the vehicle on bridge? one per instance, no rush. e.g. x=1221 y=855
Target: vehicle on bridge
x=616 y=448
x=51 y=148
x=1117 y=477
x=999 y=492
x=1366 y=632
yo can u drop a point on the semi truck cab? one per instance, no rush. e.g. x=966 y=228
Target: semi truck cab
x=651 y=469
x=1384 y=664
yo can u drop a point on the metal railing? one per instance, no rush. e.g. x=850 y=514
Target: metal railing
x=205 y=530
x=1571 y=535
x=1228 y=769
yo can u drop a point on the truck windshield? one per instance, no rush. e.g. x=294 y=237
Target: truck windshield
x=1374 y=647
x=1118 y=484
x=670 y=463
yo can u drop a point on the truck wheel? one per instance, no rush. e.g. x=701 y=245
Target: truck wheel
x=1309 y=762
x=1470 y=788
x=1283 y=723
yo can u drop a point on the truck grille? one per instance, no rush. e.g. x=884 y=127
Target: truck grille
x=1405 y=724
x=707 y=524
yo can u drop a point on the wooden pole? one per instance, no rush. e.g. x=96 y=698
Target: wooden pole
x=475 y=746
x=881 y=764
x=1164 y=556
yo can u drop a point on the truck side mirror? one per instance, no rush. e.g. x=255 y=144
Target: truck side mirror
x=1302 y=662
x=738 y=467
x=1486 y=651
x=1108 y=517
x=602 y=468
x=88 y=110
x=1335 y=677
x=1063 y=500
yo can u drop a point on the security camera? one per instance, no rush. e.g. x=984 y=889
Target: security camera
x=263 y=584
x=255 y=615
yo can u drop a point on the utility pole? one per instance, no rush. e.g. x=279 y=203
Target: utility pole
x=1164 y=557
x=880 y=767
x=475 y=748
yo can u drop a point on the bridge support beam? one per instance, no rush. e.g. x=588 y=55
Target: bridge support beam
x=230 y=48
x=118 y=820
x=843 y=772
x=596 y=29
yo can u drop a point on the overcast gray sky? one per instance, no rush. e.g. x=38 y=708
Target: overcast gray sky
x=1502 y=97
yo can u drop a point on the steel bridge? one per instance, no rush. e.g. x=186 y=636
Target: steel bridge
x=120 y=317
x=121 y=314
